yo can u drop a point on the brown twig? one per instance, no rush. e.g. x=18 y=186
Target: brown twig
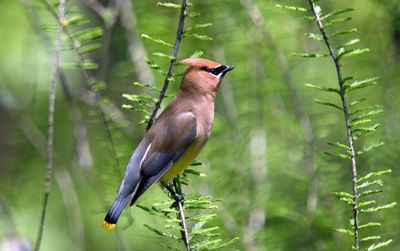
x=50 y=129
x=168 y=76
x=179 y=203
x=347 y=121
x=179 y=34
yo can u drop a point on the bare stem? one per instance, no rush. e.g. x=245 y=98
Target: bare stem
x=184 y=231
x=178 y=39
x=347 y=121
x=156 y=107
x=50 y=121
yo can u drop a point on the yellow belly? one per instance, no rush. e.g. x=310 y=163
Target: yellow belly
x=183 y=162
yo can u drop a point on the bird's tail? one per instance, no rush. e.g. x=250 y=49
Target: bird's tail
x=115 y=211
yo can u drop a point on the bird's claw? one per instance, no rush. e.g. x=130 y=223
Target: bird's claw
x=178 y=197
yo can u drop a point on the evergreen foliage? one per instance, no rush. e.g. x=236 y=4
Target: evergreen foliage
x=278 y=160
x=358 y=121
x=201 y=236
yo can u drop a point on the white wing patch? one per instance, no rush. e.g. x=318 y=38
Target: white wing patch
x=144 y=156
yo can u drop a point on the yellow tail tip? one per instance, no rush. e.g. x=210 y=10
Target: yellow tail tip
x=108 y=226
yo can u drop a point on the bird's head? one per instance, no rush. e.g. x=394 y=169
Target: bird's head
x=203 y=75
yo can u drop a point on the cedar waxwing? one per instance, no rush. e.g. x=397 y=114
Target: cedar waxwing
x=176 y=137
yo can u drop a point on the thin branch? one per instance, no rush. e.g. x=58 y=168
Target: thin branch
x=179 y=203
x=90 y=81
x=178 y=39
x=184 y=231
x=50 y=132
x=347 y=121
x=156 y=107
x=82 y=147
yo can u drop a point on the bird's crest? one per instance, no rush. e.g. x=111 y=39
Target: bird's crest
x=199 y=63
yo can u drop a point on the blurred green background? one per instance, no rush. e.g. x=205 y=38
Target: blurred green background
x=264 y=160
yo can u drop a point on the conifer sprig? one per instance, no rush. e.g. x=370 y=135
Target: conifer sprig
x=195 y=232
x=358 y=123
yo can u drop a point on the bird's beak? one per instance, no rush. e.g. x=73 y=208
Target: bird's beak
x=227 y=68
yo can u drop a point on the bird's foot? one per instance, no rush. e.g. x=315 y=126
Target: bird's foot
x=176 y=196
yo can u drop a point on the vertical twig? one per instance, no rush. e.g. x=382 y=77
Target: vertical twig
x=168 y=76
x=50 y=131
x=179 y=203
x=89 y=96
x=156 y=107
x=82 y=148
x=347 y=121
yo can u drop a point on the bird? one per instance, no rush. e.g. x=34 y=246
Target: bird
x=175 y=139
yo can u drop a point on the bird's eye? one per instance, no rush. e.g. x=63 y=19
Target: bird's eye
x=205 y=69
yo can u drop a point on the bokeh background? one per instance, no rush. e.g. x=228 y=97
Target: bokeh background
x=264 y=161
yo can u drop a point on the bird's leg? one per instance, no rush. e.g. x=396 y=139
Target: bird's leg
x=178 y=189
x=178 y=197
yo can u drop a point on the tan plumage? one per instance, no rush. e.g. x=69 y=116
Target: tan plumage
x=176 y=137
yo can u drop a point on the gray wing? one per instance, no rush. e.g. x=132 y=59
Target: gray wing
x=165 y=148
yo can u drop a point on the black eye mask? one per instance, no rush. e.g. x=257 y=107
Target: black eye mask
x=218 y=71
